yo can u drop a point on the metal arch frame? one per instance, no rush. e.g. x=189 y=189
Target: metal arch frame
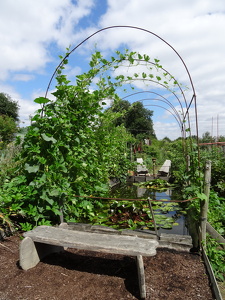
x=193 y=99
x=182 y=122
x=181 y=90
x=171 y=106
x=131 y=27
x=178 y=122
x=164 y=85
x=164 y=100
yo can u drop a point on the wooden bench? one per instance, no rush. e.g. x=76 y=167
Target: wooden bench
x=165 y=169
x=44 y=240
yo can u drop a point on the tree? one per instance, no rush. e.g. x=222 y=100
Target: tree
x=9 y=107
x=122 y=108
x=135 y=117
x=166 y=139
x=207 y=138
x=8 y=128
x=8 y=118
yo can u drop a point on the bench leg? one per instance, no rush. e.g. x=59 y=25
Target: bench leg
x=141 y=276
x=30 y=253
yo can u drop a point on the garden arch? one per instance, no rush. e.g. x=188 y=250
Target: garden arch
x=188 y=105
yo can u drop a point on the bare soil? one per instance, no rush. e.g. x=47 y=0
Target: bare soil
x=76 y=274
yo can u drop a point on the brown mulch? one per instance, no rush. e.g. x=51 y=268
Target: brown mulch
x=80 y=275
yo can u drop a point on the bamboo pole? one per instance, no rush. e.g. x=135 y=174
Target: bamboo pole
x=205 y=202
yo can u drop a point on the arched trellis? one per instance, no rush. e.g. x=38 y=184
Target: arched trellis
x=193 y=99
x=175 y=117
x=184 y=113
x=174 y=113
x=166 y=87
x=165 y=100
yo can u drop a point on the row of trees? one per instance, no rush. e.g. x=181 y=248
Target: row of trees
x=134 y=117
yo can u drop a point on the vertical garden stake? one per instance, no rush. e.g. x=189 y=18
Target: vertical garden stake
x=153 y=217
x=61 y=202
x=205 y=202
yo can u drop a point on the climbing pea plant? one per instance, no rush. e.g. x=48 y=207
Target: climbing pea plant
x=73 y=147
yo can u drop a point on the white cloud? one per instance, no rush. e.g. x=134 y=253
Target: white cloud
x=23 y=77
x=170 y=130
x=27 y=28
x=194 y=29
x=26 y=111
x=33 y=33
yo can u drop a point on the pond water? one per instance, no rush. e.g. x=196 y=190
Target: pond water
x=170 y=217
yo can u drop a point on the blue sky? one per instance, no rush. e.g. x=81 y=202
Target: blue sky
x=34 y=33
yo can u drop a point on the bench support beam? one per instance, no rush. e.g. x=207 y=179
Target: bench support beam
x=31 y=253
x=141 y=276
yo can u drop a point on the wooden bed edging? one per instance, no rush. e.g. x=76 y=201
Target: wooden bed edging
x=212 y=277
x=215 y=235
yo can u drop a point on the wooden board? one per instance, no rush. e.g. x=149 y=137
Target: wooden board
x=166 y=166
x=118 y=244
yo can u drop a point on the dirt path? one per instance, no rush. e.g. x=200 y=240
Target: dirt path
x=86 y=275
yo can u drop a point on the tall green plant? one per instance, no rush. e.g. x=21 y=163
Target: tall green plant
x=72 y=148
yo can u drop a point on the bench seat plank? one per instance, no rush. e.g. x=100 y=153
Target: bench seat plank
x=117 y=244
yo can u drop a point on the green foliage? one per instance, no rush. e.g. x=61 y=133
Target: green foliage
x=155 y=184
x=217 y=258
x=192 y=182
x=125 y=214
x=73 y=146
x=137 y=214
x=8 y=118
x=217 y=212
x=8 y=107
x=138 y=120
x=7 y=162
x=135 y=118
x=112 y=143
x=8 y=128
x=71 y=149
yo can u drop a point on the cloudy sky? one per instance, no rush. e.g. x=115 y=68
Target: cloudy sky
x=186 y=36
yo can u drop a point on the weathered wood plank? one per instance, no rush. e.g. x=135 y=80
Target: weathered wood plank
x=141 y=276
x=117 y=244
x=141 y=168
x=213 y=281
x=165 y=169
